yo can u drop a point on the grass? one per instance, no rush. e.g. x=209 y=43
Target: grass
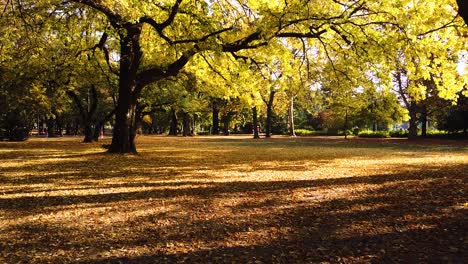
x=234 y=200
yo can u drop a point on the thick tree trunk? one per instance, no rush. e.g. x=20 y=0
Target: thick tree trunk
x=269 y=114
x=173 y=127
x=215 y=129
x=123 y=137
x=256 y=129
x=292 y=133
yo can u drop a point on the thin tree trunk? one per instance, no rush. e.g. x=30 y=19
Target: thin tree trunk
x=173 y=127
x=227 y=123
x=292 y=133
x=88 y=133
x=186 y=127
x=269 y=114
x=424 y=120
x=51 y=127
x=68 y=129
x=215 y=129
x=255 y=123
x=97 y=131
x=346 y=125
x=413 y=122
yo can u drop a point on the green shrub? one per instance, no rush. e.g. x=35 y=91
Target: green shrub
x=349 y=132
x=374 y=134
x=441 y=134
x=399 y=133
x=203 y=133
x=306 y=132
x=435 y=133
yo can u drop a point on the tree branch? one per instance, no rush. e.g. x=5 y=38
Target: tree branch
x=115 y=19
x=156 y=73
x=159 y=27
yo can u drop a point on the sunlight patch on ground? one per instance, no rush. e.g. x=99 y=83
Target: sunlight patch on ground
x=183 y=197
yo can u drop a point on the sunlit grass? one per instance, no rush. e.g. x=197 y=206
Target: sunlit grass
x=225 y=199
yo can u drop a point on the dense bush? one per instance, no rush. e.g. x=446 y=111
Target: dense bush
x=374 y=134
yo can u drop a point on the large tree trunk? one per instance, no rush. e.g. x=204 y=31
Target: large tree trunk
x=269 y=114
x=215 y=129
x=123 y=137
x=292 y=133
x=255 y=123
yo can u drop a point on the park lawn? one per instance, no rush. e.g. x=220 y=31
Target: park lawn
x=233 y=200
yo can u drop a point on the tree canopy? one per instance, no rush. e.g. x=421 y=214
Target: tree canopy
x=130 y=50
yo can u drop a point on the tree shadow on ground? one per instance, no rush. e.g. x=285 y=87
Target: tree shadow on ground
x=388 y=218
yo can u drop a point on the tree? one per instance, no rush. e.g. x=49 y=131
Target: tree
x=217 y=26
x=145 y=42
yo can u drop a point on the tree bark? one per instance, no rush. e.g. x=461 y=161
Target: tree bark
x=51 y=127
x=256 y=131
x=88 y=133
x=123 y=136
x=215 y=110
x=173 y=127
x=346 y=124
x=413 y=122
x=424 y=120
x=186 y=125
x=97 y=131
x=227 y=123
x=87 y=115
x=292 y=133
x=269 y=114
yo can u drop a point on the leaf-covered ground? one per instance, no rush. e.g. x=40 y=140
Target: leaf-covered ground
x=234 y=200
